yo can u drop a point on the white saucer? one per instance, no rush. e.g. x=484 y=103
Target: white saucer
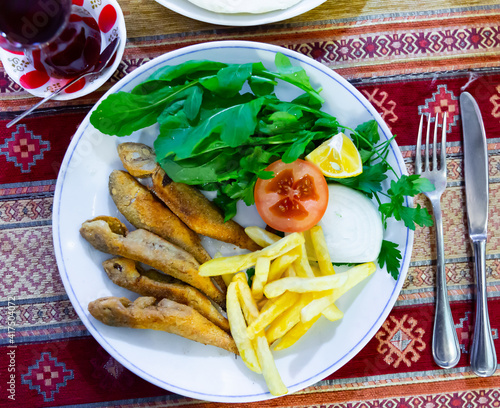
x=21 y=69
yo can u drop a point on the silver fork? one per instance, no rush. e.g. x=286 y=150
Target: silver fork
x=445 y=347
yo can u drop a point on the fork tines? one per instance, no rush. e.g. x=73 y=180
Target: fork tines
x=418 y=151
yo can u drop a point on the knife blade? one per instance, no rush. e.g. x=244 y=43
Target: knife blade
x=483 y=358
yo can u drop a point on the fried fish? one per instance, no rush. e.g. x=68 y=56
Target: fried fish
x=192 y=207
x=129 y=275
x=198 y=212
x=143 y=210
x=150 y=249
x=137 y=158
x=164 y=315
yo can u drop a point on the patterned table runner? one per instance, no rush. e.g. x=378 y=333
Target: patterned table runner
x=406 y=64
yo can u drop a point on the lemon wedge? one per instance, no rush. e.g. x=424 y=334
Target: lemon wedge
x=337 y=157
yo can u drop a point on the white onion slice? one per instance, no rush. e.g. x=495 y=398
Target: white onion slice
x=352 y=226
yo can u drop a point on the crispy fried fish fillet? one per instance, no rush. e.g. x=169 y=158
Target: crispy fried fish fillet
x=150 y=249
x=137 y=158
x=140 y=161
x=114 y=224
x=165 y=315
x=198 y=212
x=129 y=275
x=143 y=210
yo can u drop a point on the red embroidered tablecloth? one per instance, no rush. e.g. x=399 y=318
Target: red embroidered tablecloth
x=406 y=62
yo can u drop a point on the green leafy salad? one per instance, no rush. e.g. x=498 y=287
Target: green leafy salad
x=221 y=125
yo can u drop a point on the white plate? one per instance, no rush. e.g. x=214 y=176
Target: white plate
x=174 y=363
x=188 y=9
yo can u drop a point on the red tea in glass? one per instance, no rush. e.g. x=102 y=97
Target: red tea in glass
x=62 y=39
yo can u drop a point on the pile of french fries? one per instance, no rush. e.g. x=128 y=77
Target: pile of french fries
x=293 y=286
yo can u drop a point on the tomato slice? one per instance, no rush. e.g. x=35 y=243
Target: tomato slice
x=296 y=197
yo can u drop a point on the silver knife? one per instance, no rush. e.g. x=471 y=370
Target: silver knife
x=483 y=357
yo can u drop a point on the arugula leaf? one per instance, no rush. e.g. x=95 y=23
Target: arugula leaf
x=172 y=72
x=297 y=148
x=295 y=75
x=257 y=160
x=229 y=80
x=174 y=116
x=241 y=189
x=231 y=192
x=307 y=100
x=329 y=124
x=226 y=204
x=390 y=256
x=280 y=122
x=178 y=74
x=204 y=169
x=122 y=113
x=234 y=125
x=193 y=102
x=261 y=86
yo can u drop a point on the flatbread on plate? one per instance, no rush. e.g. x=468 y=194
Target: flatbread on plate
x=244 y=6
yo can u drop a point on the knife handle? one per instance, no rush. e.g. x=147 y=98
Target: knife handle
x=483 y=358
x=445 y=346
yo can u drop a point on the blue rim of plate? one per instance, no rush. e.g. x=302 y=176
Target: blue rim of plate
x=161 y=60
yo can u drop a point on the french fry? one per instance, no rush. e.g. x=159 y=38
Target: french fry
x=320 y=283
x=293 y=286
x=302 y=267
x=295 y=333
x=227 y=278
x=333 y=313
x=321 y=250
x=261 y=237
x=280 y=264
x=247 y=302
x=316 y=307
x=269 y=370
x=311 y=255
x=239 y=330
x=290 y=272
x=315 y=269
x=286 y=320
x=353 y=276
x=275 y=308
x=260 y=278
x=303 y=285
x=236 y=263
x=261 y=304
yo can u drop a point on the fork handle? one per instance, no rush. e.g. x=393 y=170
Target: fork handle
x=483 y=358
x=445 y=346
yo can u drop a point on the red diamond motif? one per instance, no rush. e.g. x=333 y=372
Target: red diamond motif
x=24 y=148
x=46 y=376
x=442 y=101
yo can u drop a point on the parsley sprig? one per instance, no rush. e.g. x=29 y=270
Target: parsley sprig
x=391 y=203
